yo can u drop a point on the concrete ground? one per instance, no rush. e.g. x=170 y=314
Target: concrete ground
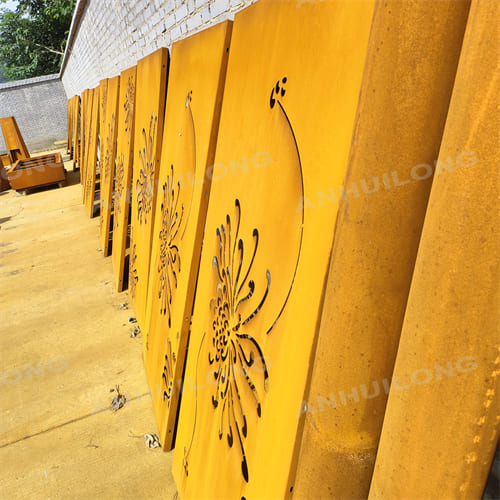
x=64 y=344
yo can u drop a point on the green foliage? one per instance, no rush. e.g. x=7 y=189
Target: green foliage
x=32 y=39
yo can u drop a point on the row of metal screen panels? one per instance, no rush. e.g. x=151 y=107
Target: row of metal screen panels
x=235 y=187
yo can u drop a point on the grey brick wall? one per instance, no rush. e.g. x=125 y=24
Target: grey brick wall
x=40 y=108
x=108 y=36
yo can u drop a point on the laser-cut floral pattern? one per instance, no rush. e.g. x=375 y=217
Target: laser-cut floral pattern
x=129 y=105
x=145 y=182
x=108 y=156
x=233 y=352
x=233 y=348
x=118 y=193
x=133 y=277
x=168 y=374
x=169 y=265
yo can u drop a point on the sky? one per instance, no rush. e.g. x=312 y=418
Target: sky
x=11 y=4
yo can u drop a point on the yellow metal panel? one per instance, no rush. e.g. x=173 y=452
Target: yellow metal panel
x=75 y=132
x=123 y=172
x=289 y=106
x=86 y=119
x=400 y=122
x=149 y=116
x=442 y=422
x=108 y=155
x=196 y=82
x=103 y=96
x=73 y=104
x=70 y=125
x=74 y=113
x=91 y=160
x=83 y=139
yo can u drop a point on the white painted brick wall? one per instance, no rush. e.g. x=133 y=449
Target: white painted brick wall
x=218 y=7
x=194 y=21
x=112 y=35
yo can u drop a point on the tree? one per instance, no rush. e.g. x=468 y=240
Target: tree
x=32 y=39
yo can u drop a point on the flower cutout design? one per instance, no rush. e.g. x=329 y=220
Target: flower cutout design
x=118 y=192
x=108 y=160
x=101 y=216
x=168 y=374
x=233 y=351
x=88 y=171
x=277 y=91
x=104 y=100
x=237 y=364
x=133 y=277
x=88 y=187
x=129 y=105
x=169 y=265
x=145 y=182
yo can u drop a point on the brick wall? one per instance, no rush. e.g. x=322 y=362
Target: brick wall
x=40 y=108
x=108 y=36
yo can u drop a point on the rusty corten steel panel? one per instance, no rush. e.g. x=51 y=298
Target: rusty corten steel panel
x=108 y=154
x=288 y=113
x=123 y=173
x=149 y=115
x=196 y=83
